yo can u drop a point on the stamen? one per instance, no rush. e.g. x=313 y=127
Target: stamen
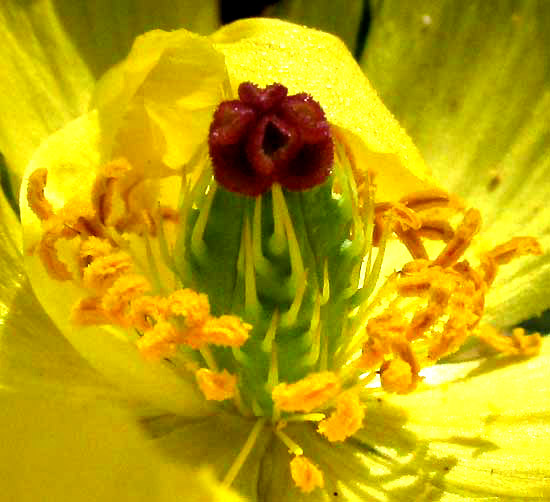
x=462 y=238
x=426 y=199
x=243 y=454
x=293 y=447
x=105 y=270
x=396 y=376
x=518 y=344
x=437 y=230
x=411 y=239
x=192 y=306
x=93 y=248
x=35 y=194
x=514 y=248
x=159 y=342
x=346 y=420
x=146 y=311
x=225 y=331
x=308 y=393
x=118 y=297
x=305 y=474
x=47 y=253
x=216 y=386
x=89 y=311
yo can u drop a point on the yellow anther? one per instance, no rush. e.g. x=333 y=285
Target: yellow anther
x=346 y=420
x=308 y=393
x=427 y=199
x=405 y=217
x=227 y=331
x=105 y=270
x=397 y=376
x=193 y=306
x=372 y=354
x=382 y=331
x=436 y=230
x=305 y=474
x=216 y=386
x=514 y=248
x=411 y=239
x=159 y=342
x=424 y=319
x=517 y=344
x=116 y=301
x=462 y=238
x=146 y=311
x=89 y=311
x=47 y=253
x=93 y=248
x=454 y=335
x=416 y=283
x=35 y=194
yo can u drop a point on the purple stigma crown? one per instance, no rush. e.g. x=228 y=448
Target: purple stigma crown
x=268 y=137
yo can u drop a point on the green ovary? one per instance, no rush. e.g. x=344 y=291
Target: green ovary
x=275 y=260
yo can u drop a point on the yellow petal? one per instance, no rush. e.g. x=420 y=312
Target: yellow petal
x=216 y=442
x=169 y=84
x=264 y=51
x=57 y=450
x=485 y=433
x=72 y=157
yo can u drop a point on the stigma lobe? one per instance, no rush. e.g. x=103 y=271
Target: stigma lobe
x=268 y=137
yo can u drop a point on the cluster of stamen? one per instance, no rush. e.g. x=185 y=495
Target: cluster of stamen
x=115 y=291
x=263 y=143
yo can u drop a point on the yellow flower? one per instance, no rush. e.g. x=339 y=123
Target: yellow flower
x=98 y=207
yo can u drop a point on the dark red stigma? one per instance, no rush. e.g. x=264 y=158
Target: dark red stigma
x=268 y=137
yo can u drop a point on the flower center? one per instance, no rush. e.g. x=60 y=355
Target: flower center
x=272 y=301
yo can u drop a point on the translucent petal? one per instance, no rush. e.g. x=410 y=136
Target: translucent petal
x=264 y=51
x=178 y=79
x=471 y=85
x=28 y=338
x=72 y=157
x=53 y=51
x=88 y=451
